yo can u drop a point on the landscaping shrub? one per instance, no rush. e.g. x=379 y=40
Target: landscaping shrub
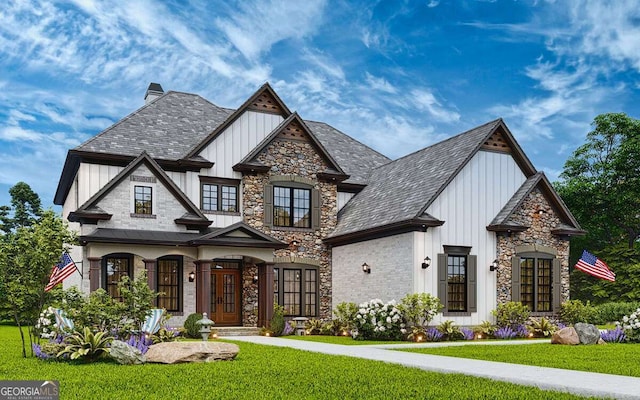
x=86 y=345
x=277 y=322
x=377 y=320
x=467 y=334
x=449 y=330
x=511 y=314
x=484 y=330
x=574 y=311
x=434 y=335
x=345 y=315
x=541 y=327
x=614 y=311
x=191 y=328
x=313 y=326
x=418 y=309
x=505 y=332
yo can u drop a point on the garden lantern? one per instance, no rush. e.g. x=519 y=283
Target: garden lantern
x=205 y=326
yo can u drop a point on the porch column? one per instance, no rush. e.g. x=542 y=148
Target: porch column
x=265 y=294
x=95 y=266
x=152 y=277
x=203 y=286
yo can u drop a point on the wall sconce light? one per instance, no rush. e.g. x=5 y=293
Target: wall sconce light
x=192 y=276
x=426 y=263
x=255 y=279
x=366 y=268
x=494 y=265
x=294 y=243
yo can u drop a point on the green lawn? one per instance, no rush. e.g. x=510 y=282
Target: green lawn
x=345 y=340
x=612 y=358
x=259 y=372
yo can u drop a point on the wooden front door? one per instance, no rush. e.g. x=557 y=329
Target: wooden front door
x=226 y=288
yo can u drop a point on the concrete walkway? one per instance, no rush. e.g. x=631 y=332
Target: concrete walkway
x=564 y=380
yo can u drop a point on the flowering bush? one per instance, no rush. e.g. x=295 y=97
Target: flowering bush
x=468 y=334
x=434 y=335
x=505 y=332
x=140 y=342
x=377 y=320
x=631 y=326
x=614 y=335
x=45 y=325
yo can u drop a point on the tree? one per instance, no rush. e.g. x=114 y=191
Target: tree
x=26 y=205
x=26 y=259
x=601 y=185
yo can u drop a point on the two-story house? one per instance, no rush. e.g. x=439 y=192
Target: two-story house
x=230 y=211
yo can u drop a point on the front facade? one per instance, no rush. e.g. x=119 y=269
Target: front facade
x=231 y=211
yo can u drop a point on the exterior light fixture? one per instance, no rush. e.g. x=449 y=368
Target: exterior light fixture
x=294 y=243
x=426 y=263
x=366 y=268
x=494 y=265
x=192 y=276
x=255 y=279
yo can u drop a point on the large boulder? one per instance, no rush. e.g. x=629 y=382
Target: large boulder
x=566 y=335
x=588 y=333
x=184 y=352
x=125 y=354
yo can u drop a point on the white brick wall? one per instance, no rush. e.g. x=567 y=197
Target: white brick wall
x=391 y=277
x=119 y=202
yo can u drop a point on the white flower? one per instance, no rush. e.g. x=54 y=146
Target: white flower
x=382 y=329
x=625 y=319
x=359 y=316
x=379 y=323
x=403 y=331
x=389 y=319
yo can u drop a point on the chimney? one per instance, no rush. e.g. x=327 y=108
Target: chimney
x=153 y=92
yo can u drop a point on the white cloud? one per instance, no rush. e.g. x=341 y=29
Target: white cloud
x=254 y=26
x=379 y=84
x=425 y=100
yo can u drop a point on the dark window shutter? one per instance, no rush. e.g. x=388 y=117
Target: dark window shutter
x=557 y=285
x=442 y=280
x=315 y=208
x=515 y=278
x=472 y=292
x=268 y=205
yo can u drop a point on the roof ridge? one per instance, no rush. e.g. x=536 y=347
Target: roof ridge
x=495 y=121
x=348 y=136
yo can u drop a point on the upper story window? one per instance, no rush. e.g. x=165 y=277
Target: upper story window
x=218 y=194
x=143 y=200
x=291 y=207
x=291 y=202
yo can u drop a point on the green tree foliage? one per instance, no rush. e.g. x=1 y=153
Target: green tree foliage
x=26 y=258
x=601 y=186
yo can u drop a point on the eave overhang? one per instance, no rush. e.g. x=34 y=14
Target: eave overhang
x=412 y=225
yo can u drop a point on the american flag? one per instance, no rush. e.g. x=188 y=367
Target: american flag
x=61 y=271
x=592 y=265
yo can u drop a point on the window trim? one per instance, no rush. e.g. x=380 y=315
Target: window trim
x=302 y=268
x=135 y=200
x=291 y=206
x=556 y=281
x=296 y=183
x=180 y=281
x=471 y=272
x=130 y=268
x=220 y=183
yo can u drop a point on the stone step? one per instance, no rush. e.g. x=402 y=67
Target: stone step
x=237 y=331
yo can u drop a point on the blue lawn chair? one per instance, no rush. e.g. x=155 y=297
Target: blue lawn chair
x=63 y=323
x=151 y=324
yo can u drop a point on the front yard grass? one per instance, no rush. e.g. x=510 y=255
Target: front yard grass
x=259 y=372
x=612 y=358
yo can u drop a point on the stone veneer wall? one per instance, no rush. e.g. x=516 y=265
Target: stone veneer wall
x=539 y=233
x=249 y=295
x=299 y=158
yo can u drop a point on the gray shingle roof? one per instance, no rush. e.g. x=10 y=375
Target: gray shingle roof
x=167 y=128
x=355 y=159
x=402 y=189
x=504 y=215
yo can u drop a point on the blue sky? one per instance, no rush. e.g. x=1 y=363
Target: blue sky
x=396 y=75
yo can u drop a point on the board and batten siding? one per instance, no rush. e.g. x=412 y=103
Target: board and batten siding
x=343 y=199
x=235 y=142
x=467 y=205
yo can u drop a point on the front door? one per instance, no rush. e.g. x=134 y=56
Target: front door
x=225 y=296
